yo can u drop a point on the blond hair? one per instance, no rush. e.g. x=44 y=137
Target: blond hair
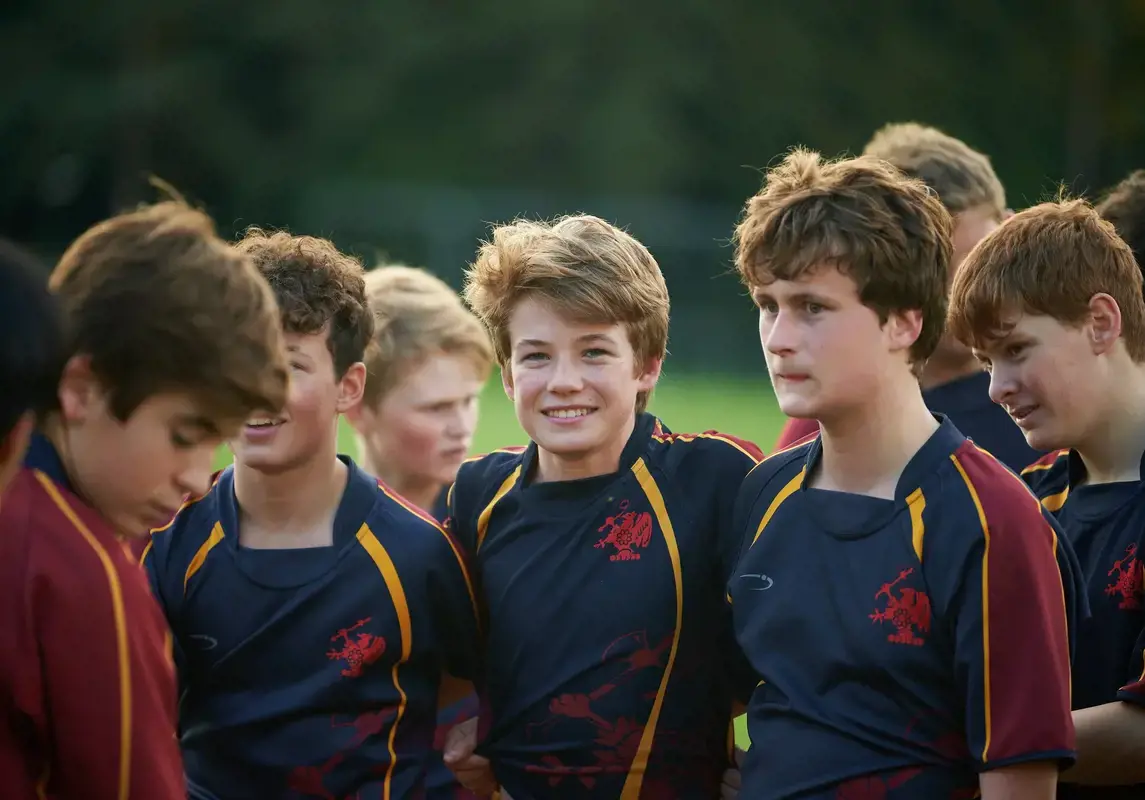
x=887 y=231
x=963 y=177
x=1050 y=259
x=417 y=315
x=586 y=268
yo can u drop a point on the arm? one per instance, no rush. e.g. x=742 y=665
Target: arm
x=1110 y=745
x=1033 y=781
x=153 y=559
x=472 y=771
x=111 y=688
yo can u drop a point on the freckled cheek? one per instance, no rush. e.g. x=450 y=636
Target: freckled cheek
x=528 y=385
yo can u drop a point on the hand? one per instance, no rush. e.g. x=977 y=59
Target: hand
x=729 y=788
x=471 y=770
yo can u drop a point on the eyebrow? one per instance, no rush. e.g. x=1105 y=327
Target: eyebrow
x=585 y=339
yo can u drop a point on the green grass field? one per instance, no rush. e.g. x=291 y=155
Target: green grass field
x=686 y=403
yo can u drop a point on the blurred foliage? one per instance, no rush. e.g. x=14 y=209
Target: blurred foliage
x=256 y=108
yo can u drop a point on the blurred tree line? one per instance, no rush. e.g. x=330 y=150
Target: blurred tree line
x=256 y=109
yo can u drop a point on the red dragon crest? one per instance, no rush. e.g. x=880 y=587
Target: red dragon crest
x=908 y=611
x=358 y=652
x=627 y=531
x=1128 y=575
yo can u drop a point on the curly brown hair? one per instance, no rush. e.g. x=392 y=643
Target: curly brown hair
x=318 y=289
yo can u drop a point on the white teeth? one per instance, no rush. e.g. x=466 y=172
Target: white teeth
x=568 y=413
x=261 y=423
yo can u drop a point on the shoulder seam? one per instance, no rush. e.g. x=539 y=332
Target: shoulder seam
x=735 y=442
x=786 y=451
x=511 y=450
x=406 y=505
x=1048 y=461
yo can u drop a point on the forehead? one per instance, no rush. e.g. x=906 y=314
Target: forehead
x=1015 y=326
x=825 y=280
x=311 y=344
x=437 y=377
x=536 y=320
x=175 y=408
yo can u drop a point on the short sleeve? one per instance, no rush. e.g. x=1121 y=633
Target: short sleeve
x=997 y=580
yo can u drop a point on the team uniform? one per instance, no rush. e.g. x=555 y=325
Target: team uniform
x=87 y=685
x=966 y=402
x=903 y=645
x=312 y=672
x=1105 y=523
x=606 y=623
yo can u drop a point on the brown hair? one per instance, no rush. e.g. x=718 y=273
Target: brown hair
x=161 y=304
x=888 y=232
x=1124 y=206
x=318 y=289
x=1050 y=259
x=416 y=315
x=585 y=267
x=962 y=177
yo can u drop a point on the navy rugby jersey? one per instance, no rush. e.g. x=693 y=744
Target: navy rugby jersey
x=894 y=638
x=1105 y=523
x=312 y=672
x=607 y=632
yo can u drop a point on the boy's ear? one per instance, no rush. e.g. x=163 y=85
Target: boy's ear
x=1104 y=322
x=80 y=393
x=351 y=387
x=903 y=328
x=648 y=376
x=507 y=383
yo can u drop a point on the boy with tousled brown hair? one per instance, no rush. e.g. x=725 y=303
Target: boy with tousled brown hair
x=952 y=381
x=896 y=581
x=601 y=549
x=171 y=339
x=315 y=611
x=1052 y=304
x=424 y=373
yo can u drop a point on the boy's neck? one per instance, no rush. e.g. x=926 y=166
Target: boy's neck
x=52 y=429
x=1112 y=450
x=604 y=460
x=419 y=491
x=294 y=508
x=866 y=449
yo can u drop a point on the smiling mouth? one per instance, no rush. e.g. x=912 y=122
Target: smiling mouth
x=1021 y=412
x=568 y=413
x=264 y=423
